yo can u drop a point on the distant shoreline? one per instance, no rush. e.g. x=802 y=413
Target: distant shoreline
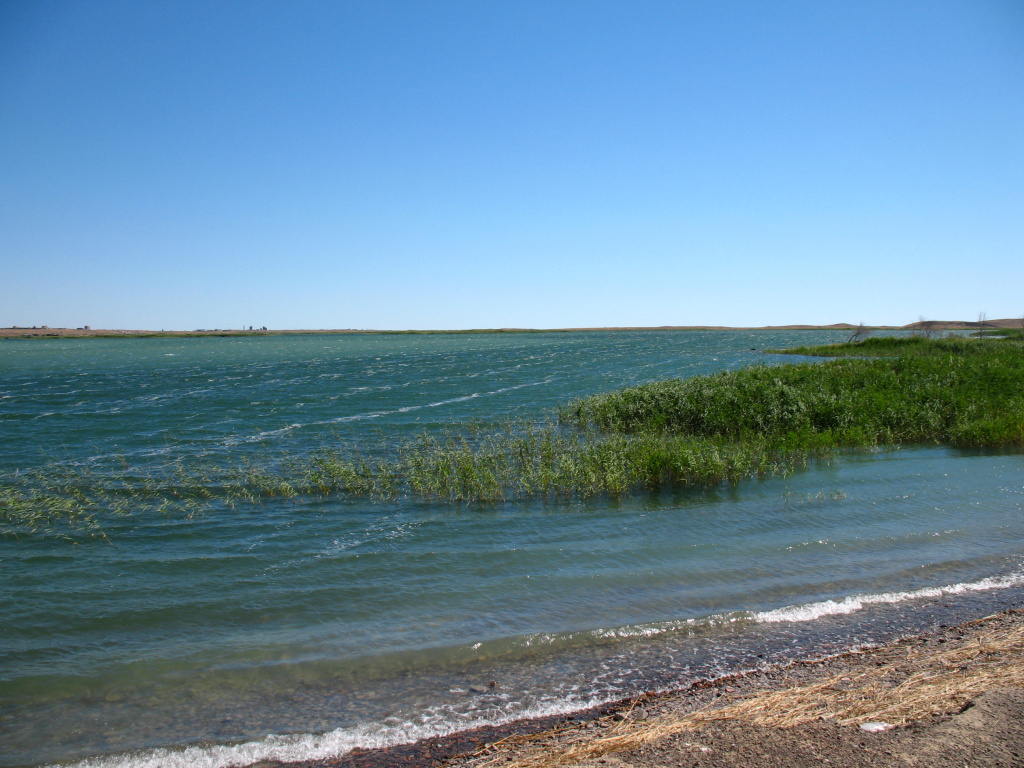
x=44 y=332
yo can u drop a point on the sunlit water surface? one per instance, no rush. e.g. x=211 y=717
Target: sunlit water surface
x=296 y=629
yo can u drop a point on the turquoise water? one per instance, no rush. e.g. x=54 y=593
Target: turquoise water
x=301 y=628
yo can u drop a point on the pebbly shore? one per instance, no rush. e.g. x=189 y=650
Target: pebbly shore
x=954 y=696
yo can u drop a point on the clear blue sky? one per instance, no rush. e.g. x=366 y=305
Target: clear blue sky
x=489 y=164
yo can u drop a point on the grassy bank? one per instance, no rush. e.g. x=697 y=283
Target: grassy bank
x=881 y=392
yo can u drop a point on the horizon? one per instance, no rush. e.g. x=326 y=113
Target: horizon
x=919 y=325
x=465 y=166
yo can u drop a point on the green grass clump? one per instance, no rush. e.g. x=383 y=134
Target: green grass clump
x=960 y=392
x=699 y=431
x=882 y=346
x=550 y=461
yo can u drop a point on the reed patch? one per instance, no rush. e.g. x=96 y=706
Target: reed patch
x=726 y=427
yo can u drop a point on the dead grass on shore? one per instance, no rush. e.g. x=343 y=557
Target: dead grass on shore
x=894 y=684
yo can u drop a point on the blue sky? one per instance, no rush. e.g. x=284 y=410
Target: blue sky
x=495 y=164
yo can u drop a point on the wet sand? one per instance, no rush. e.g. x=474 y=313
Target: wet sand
x=951 y=697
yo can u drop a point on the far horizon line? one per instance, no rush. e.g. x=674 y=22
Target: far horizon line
x=90 y=332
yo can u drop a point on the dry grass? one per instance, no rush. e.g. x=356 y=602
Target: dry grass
x=895 y=684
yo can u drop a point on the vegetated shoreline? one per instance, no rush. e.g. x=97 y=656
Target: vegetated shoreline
x=45 y=332
x=881 y=392
x=951 y=696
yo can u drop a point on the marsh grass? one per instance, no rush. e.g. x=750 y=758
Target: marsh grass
x=959 y=392
x=512 y=461
x=913 y=346
x=726 y=427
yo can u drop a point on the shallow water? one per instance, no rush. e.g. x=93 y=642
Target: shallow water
x=348 y=622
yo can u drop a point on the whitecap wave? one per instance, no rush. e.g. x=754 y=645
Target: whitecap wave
x=313 y=746
x=449 y=401
x=443 y=721
x=853 y=603
x=261 y=435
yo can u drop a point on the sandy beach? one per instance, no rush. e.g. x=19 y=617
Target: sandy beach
x=953 y=697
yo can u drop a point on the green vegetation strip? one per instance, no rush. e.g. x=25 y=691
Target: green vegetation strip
x=880 y=392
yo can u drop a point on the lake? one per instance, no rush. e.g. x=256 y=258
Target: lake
x=300 y=628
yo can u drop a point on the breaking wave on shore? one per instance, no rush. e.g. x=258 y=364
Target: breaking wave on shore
x=761 y=649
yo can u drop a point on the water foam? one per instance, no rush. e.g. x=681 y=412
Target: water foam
x=853 y=603
x=336 y=743
x=313 y=746
x=261 y=435
x=450 y=401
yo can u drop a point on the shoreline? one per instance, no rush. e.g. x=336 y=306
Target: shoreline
x=947 y=696
x=45 y=332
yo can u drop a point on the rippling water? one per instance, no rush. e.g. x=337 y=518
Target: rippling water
x=296 y=629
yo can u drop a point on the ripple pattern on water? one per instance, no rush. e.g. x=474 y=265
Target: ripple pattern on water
x=347 y=622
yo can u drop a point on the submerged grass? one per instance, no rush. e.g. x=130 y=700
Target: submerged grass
x=880 y=392
x=514 y=461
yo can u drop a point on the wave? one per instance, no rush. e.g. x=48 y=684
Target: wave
x=812 y=611
x=311 y=746
x=260 y=436
x=378 y=414
x=444 y=720
x=803 y=612
x=449 y=401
